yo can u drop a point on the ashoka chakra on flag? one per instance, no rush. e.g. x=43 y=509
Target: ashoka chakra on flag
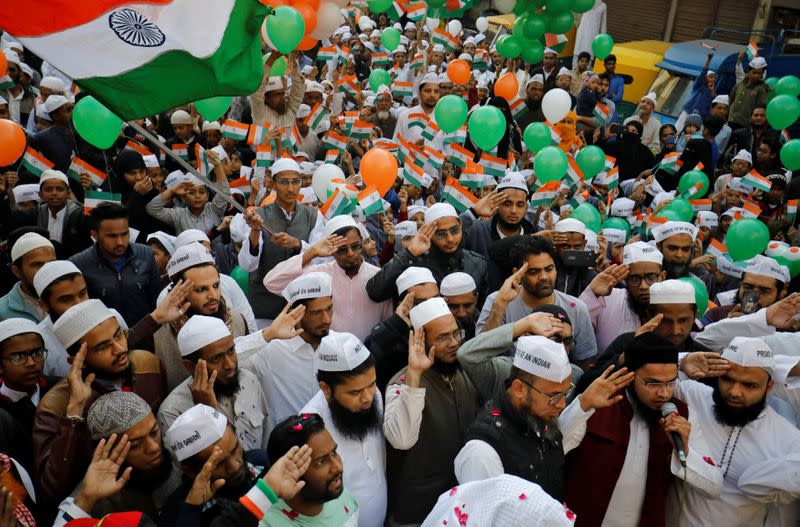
x=132 y=27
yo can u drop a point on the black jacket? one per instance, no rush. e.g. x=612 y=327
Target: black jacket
x=74 y=236
x=388 y=342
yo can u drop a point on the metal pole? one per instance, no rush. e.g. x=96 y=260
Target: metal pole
x=186 y=166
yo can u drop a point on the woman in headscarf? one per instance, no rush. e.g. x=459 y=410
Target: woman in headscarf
x=512 y=137
x=129 y=178
x=571 y=142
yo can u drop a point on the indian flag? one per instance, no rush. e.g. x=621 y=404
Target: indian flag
x=458 y=196
x=494 y=166
x=125 y=53
x=610 y=178
x=752 y=50
x=454 y=5
x=551 y=40
x=435 y=158
x=332 y=140
x=757 y=181
x=361 y=130
x=203 y=165
x=343 y=54
x=138 y=147
x=579 y=198
x=380 y=59
x=256 y=134
x=326 y=54
x=416 y=11
x=181 y=150
x=791 y=210
x=417 y=62
x=701 y=204
x=545 y=194
x=6 y=83
x=92 y=199
x=517 y=106
x=349 y=87
x=418 y=119
x=350 y=11
x=785 y=137
x=318 y=114
x=385 y=144
x=670 y=163
x=347 y=119
x=242 y=183
x=574 y=173
x=79 y=166
x=402 y=148
x=457 y=137
x=716 y=249
x=264 y=156
x=394 y=12
x=472 y=175
x=336 y=205
x=602 y=112
x=750 y=209
x=554 y=135
x=444 y=38
x=460 y=155
x=35 y=162
x=331 y=156
x=692 y=191
x=415 y=175
x=430 y=131
x=370 y=200
x=291 y=138
x=234 y=130
x=610 y=162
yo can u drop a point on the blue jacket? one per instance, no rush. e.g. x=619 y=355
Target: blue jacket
x=699 y=101
x=132 y=290
x=13 y=305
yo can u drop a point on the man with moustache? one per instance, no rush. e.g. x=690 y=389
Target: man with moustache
x=623 y=439
x=534 y=91
x=351 y=406
x=614 y=310
x=429 y=406
x=193 y=263
x=428 y=97
x=384 y=117
x=461 y=294
x=570 y=235
x=757 y=450
x=209 y=355
x=287 y=366
x=101 y=362
x=676 y=241
x=270 y=103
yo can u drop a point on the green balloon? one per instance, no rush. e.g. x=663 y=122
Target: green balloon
x=771 y=82
x=591 y=160
x=788 y=85
x=487 y=125
x=521 y=7
x=240 y=276
x=98 y=125
x=278 y=68
x=683 y=208
x=436 y=3
x=558 y=6
x=379 y=77
x=790 y=154
x=581 y=6
x=390 y=38
x=509 y=46
x=746 y=238
x=285 y=28
x=588 y=215
x=690 y=179
x=782 y=111
x=379 y=6
x=535 y=26
x=559 y=23
x=533 y=52
x=669 y=214
x=700 y=294
x=550 y=164
x=213 y=108
x=620 y=224
x=602 y=45
x=536 y=137
x=450 y=113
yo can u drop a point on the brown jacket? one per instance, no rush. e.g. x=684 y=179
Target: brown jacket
x=62 y=448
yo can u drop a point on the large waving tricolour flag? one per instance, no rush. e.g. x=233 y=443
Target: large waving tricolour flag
x=141 y=58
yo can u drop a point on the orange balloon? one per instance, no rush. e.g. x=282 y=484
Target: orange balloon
x=309 y=15
x=379 y=169
x=314 y=4
x=307 y=43
x=3 y=64
x=507 y=86
x=458 y=71
x=274 y=3
x=12 y=142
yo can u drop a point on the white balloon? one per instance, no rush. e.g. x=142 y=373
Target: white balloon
x=321 y=180
x=555 y=105
x=264 y=35
x=482 y=24
x=329 y=18
x=454 y=27
x=505 y=6
x=431 y=23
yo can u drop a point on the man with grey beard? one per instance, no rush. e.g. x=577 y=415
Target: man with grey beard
x=384 y=116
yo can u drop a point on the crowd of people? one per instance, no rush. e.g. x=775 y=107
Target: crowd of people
x=168 y=360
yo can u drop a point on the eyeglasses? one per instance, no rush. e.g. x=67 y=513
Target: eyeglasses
x=285 y=182
x=552 y=400
x=635 y=280
x=441 y=235
x=443 y=340
x=655 y=386
x=21 y=358
x=341 y=251
x=107 y=345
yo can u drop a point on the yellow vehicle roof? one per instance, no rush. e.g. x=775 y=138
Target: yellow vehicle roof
x=641 y=53
x=507 y=21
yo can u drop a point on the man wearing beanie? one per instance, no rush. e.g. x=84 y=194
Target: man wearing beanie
x=101 y=362
x=28 y=254
x=630 y=444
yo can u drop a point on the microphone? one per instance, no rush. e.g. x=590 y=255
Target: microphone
x=666 y=410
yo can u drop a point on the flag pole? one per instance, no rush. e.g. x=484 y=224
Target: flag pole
x=186 y=166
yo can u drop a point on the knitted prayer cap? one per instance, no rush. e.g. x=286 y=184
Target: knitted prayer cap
x=115 y=413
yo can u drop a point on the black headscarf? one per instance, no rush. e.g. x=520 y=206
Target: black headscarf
x=127 y=161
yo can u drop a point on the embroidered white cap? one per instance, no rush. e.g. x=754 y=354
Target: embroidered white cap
x=672 y=292
x=200 y=331
x=53 y=174
x=79 y=320
x=166 y=240
x=457 y=283
x=414 y=276
x=513 y=180
x=571 y=225
x=428 y=310
x=52 y=271
x=11 y=327
x=336 y=223
x=438 y=211
x=27 y=243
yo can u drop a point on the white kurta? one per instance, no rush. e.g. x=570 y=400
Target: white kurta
x=364 y=464
x=760 y=463
x=592 y=23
